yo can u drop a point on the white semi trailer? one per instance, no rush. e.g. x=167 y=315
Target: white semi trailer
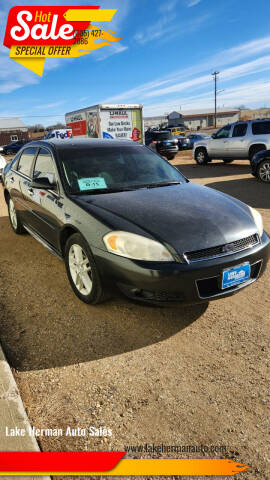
x=122 y=122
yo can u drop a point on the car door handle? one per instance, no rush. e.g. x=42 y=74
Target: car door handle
x=12 y=179
x=30 y=191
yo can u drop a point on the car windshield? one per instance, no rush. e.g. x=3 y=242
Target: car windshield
x=114 y=168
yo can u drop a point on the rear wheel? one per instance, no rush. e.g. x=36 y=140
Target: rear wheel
x=82 y=271
x=227 y=160
x=263 y=171
x=15 y=221
x=201 y=156
x=170 y=157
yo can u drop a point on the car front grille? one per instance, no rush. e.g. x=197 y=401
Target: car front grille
x=221 y=250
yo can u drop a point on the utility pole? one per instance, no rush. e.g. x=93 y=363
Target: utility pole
x=215 y=74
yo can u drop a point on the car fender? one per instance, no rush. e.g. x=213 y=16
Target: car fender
x=199 y=143
x=259 y=142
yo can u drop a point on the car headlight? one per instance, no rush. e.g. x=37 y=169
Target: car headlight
x=257 y=219
x=137 y=247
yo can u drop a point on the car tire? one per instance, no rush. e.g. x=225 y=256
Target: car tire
x=82 y=271
x=170 y=157
x=9 y=152
x=263 y=171
x=14 y=219
x=201 y=156
x=254 y=151
x=227 y=160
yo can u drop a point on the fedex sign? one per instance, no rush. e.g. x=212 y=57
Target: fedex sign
x=60 y=134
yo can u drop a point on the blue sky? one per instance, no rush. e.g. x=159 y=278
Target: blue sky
x=164 y=61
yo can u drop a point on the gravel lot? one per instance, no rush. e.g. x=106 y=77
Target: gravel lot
x=178 y=376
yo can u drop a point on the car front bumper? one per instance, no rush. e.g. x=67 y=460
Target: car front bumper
x=166 y=283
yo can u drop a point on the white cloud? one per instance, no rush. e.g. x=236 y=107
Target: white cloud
x=50 y=105
x=221 y=59
x=255 y=66
x=192 y=3
x=157 y=30
x=167 y=28
x=252 y=94
x=12 y=75
x=168 y=6
x=113 y=49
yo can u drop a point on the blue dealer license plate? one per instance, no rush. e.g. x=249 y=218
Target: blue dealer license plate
x=234 y=276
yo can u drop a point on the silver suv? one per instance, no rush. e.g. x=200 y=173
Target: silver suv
x=240 y=140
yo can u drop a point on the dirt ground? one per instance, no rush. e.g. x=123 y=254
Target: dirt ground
x=195 y=375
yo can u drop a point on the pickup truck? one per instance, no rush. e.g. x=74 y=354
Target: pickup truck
x=235 y=141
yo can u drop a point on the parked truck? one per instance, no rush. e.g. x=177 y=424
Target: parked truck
x=122 y=122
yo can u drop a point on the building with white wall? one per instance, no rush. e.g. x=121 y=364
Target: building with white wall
x=195 y=119
x=11 y=130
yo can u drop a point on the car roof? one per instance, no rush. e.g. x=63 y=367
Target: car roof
x=81 y=142
x=255 y=120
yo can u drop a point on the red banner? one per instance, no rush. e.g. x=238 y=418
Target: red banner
x=59 y=461
x=42 y=25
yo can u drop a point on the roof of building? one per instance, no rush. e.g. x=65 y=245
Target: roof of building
x=156 y=117
x=11 y=123
x=209 y=111
x=198 y=113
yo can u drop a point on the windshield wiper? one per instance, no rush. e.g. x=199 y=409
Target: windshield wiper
x=162 y=184
x=98 y=191
x=104 y=190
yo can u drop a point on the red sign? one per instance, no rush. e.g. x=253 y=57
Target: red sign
x=136 y=134
x=42 y=25
x=78 y=128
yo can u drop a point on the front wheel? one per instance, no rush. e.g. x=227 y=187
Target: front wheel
x=201 y=156
x=15 y=221
x=82 y=271
x=263 y=171
x=227 y=160
x=170 y=157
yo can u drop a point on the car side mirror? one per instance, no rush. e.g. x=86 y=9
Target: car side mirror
x=214 y=135
x=42 y=183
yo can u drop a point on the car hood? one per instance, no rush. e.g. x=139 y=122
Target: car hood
x=187 y=216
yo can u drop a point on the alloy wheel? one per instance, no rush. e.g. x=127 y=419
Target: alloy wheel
x=264 y=172
x=200 y=157
x=80 y=269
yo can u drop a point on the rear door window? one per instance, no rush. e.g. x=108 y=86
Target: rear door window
x=26 y=161
x=239 y=130
x=261 y=128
